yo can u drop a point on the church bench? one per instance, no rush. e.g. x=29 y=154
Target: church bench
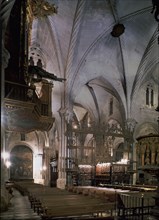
x=69 y=202
x=73 y=201
x=104 y=193
x=78 y=210
x=54 y=202
x=66 y=201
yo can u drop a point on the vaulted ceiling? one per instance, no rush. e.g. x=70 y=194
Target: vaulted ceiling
x=76 y=44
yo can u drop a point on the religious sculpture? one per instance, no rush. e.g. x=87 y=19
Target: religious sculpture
x=31 y=61
x=143 y=148
x=39 y=63
x=153 y=152
x=147 y=159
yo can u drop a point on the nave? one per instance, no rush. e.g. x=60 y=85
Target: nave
x=35 y=201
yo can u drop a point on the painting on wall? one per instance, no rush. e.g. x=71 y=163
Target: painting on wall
x=22 y=163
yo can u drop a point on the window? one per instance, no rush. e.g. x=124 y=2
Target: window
x=111 y=106
x=152 y=97
x=149 y=96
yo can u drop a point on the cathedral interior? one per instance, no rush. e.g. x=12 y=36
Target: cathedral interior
x=79 y=94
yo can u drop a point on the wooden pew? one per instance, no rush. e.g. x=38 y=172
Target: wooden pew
x=75 y=210
x=54 y=203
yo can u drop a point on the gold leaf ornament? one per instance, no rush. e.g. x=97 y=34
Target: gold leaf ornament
x=42 y=8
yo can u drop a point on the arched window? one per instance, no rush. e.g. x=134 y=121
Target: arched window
x=152 y=97
x=149 y=96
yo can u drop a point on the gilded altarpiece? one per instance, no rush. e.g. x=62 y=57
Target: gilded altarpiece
x=147 y=158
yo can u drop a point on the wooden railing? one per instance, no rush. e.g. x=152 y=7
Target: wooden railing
x=19 y=92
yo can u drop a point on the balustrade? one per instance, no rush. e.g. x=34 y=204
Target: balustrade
x=24 y=93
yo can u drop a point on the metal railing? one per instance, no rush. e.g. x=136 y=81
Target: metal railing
x=134 y=206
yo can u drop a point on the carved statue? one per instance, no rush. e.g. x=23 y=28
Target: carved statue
x=147 y=159
x=155 y=4
x=36 y=70
x=153 y=153
x=143 y=149
x=138 y=155
x=31 y=61
x=39 y=63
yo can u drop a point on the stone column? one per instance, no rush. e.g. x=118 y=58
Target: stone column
x=134 y=162
x=4 y=63
x=7 y=159
x=4 y=57
x=61 y=181
x=65 y=115
x=128 y=135
x=131 y=150
x=46 y=163
x=37 y=168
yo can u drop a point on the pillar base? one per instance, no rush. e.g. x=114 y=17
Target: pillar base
x=61 y=183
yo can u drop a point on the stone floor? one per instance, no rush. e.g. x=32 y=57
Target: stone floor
x=19 y=209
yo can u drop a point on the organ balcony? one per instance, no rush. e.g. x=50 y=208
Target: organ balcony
x=25 y=110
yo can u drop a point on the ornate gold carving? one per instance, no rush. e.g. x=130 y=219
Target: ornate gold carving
x=148 y=151
x=38 y=9
x=41 y=8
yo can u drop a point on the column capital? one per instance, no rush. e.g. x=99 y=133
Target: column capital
x=130 y=124
x=62 y=111
x=67 y=113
